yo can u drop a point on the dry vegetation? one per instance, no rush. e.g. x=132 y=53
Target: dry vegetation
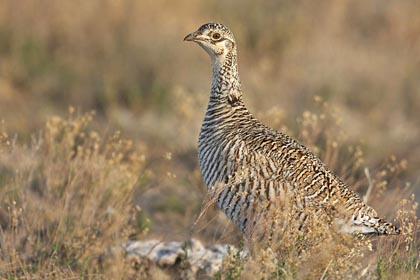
x=341 y=76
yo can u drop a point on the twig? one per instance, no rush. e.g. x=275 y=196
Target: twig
x=325 y=271
x=369 y=190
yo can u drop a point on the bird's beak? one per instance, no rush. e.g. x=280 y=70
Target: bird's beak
x=190 y=37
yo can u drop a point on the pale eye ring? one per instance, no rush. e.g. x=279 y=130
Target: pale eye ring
x=216 y=36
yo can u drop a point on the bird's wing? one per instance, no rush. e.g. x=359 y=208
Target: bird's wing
x=321 y=188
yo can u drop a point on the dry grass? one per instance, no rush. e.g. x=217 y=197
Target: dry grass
x=341 y=76
x=67 y=200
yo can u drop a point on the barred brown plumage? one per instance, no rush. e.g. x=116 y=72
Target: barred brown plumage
x=251 y=169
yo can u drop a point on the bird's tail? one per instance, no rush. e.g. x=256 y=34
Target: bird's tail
x=367 y=222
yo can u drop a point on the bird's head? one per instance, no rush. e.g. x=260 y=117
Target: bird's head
x=216 y=39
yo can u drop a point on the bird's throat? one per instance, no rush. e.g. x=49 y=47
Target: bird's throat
x=226 y=84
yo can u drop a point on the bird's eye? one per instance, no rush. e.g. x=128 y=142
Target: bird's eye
x=216 y=36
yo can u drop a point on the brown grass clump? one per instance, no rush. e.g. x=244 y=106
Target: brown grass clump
x=400 y=258
x=66 y=202
x=319 y=252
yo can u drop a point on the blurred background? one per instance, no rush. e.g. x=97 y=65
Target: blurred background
x=355 y=63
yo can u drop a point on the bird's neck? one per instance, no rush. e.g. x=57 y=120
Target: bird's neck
x=226 y=84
